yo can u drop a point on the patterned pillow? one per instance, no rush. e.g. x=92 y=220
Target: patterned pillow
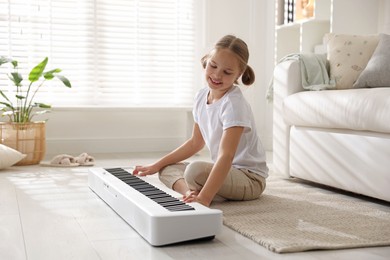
x=9 y=156
x=348 y=55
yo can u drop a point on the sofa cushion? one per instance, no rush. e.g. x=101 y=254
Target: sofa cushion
x=377 y=71
x=348 y=55
x=354 y=109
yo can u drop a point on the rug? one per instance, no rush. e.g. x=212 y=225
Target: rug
x=294 y=216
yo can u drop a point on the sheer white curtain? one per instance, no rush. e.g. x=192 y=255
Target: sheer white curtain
x=114 y=52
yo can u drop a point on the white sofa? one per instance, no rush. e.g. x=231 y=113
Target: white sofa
x=339 y=138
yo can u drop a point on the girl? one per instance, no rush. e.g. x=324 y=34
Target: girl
x=224 y=123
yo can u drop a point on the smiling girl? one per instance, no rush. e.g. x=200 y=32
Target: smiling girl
x=224 y=123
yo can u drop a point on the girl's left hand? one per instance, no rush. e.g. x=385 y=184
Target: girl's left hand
x=192 y=196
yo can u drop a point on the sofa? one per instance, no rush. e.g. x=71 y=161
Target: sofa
x=338 y=137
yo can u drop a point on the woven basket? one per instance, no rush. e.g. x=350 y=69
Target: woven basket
x=27 y=138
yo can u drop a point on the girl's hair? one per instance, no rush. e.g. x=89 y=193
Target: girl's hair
x=239 y=47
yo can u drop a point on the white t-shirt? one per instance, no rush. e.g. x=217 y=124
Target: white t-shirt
x=229 y=111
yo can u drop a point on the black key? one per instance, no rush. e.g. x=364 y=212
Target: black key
x=116 y=171
x=160 y=195
x=161 y=200
x=132 y=182
x=141 y=188
x=147 y=190
x=171 y=203
x=153 y=192
x=180 y=208
x=140 y=185
x=137 y=183
x=128 y=176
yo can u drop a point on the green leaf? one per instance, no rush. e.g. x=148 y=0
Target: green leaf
x=14 y=63
x=4 y=60
x=42 y=105
x=64 y=80
x=50 y=74
x=9 y=105
x=4 y=96
x=20 y=97
x=37 y=71
x=16 y=78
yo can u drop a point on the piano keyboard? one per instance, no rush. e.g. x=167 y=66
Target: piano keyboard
x=155 y=213
x=157 y=195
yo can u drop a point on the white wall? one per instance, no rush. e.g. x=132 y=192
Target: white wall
x=384 y=16
x=110 y=130
x=96 y=130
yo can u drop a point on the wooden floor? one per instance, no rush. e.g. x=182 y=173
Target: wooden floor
x=50 y=213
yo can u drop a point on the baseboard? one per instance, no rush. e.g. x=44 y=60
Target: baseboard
x=112 y=145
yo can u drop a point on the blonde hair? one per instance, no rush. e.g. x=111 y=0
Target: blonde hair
x=238 y=47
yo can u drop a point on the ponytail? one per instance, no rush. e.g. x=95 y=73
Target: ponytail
x=248 y=77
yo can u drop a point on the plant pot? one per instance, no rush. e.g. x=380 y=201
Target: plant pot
x=27 y=138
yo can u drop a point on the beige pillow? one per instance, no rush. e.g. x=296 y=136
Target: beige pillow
x=348 y=55
x=9 y=156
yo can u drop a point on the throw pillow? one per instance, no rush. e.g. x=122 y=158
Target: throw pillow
x=348 y=55
x=377 y=71
x=9 y=156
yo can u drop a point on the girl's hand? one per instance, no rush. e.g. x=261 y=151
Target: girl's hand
x=145 y=170
x=192 y=196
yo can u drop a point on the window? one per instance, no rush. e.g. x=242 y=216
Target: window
x=114 y=52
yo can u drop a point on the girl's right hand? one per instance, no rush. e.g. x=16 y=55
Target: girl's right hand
x=145 y=170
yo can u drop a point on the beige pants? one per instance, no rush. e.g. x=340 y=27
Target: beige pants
x=240 y=184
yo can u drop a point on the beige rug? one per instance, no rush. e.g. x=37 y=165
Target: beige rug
x=293 y=216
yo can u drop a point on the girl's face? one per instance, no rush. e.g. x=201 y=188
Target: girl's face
x=222 y=70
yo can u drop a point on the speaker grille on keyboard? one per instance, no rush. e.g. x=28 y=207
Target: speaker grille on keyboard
x=161 y=197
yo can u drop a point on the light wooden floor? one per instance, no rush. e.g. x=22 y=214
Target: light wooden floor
x=50 y=213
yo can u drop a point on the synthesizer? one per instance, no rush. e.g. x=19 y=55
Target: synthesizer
x=156 y=213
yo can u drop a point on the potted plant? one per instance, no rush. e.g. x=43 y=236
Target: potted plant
x=21 y=132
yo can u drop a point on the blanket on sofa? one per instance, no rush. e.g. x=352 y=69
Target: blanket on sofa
x=314 y=72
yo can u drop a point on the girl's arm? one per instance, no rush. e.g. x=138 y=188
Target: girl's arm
x=186 y=150
x=227 y=150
